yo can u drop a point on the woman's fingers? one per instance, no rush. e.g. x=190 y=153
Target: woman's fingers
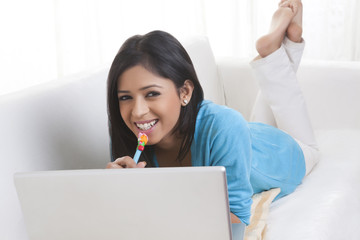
x=141 y=164
x=125 y=162
x=112 y=165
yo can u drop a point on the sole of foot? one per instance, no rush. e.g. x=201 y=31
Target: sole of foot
x=272 y=41
x=294 y=31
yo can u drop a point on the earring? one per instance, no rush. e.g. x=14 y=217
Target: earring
x=186 y=101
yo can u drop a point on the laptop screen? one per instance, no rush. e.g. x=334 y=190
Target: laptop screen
x=154 y=203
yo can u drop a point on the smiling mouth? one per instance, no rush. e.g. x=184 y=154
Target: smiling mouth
x=146 y=126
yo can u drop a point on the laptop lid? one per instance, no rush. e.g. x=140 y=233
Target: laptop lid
x=155 y=203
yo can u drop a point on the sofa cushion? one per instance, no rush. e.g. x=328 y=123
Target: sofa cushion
x=327 y=204
x=203 y=59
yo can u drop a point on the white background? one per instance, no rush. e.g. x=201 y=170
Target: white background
x=46 y=40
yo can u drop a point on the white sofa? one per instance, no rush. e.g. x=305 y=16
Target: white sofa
x=63 y=125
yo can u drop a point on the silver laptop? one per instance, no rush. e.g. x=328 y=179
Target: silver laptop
x=157 y=203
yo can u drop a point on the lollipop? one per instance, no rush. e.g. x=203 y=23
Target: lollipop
x=142 y=140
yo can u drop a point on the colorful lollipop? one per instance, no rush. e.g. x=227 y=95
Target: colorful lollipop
x=142 y=140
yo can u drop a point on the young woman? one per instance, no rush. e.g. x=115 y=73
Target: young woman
x=153 y=88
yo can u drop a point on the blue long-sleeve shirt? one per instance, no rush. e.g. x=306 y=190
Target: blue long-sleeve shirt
x=256 y=156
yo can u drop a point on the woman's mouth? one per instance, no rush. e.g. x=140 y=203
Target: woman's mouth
x=145 y=126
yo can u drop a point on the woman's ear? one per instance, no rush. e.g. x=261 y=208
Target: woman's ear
x=186 y=92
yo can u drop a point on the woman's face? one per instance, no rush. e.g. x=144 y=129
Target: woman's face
x=149 y=104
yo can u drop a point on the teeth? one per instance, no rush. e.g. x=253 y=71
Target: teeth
x=146 y=126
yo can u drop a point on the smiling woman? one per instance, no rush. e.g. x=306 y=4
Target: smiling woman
x=150 y=102
x=149 y=84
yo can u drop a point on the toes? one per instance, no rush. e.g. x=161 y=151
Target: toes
x=293 y=5
x=284 y=3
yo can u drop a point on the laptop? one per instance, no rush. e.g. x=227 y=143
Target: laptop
x=156 y=203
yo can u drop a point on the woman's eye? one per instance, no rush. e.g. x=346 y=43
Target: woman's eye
x=153 y=94
x=124 y=98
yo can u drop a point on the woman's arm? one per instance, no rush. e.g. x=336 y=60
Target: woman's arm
x=231 y=147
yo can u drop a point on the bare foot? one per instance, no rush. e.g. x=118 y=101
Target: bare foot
x=294 y=31
x=279 y=24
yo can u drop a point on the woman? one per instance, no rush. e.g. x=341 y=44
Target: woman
x=153 y=88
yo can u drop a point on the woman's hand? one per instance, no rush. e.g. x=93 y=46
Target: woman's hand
x=125 y=162
x=234 y=218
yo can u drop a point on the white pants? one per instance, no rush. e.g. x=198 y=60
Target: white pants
x=280 y=102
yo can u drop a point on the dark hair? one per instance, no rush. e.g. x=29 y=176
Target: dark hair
x=160 y=53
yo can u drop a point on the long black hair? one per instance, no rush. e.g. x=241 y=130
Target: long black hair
x=162 y=54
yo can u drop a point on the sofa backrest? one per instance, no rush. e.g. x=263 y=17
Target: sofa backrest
x=57 y=125
x=331 y=90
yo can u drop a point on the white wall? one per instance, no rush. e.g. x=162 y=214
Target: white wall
x=43 y=40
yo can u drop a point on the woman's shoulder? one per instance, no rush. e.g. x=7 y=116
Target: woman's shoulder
x=219 y=119
x=212 y=111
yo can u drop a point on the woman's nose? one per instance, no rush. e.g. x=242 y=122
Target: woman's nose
x=140 y=108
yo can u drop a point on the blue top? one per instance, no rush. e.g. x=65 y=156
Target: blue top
x=256 y=156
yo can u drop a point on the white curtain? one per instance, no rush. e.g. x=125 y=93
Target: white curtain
x=43 y=40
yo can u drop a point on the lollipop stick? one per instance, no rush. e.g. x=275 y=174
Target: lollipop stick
x=142 y=140
x=137 y=155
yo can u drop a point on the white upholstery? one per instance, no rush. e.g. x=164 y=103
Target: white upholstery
x=327 y=204
x=50 y=126
x=205 y=66
x=64 y=126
